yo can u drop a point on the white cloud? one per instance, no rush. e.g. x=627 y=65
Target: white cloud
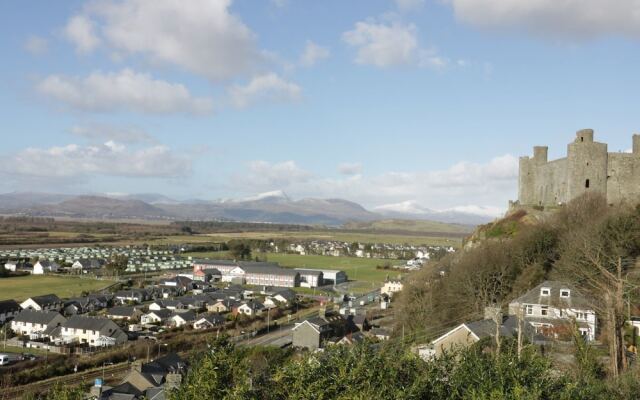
x=573 y=19
x=350 y=168
x=383 y=44
x=463 y=184
x=201 y=36
x=264 y=88
x=111 y=159
x=126 y=90
x=313 y=53
x=36 y=45
x=105 y=132
x=81 y=32
x=409 y=5
x=266 y=176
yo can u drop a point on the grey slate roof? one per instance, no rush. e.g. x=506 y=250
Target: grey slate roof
x=576 y=300
x=164 y=313
x=9 y=306
x=215 y=262
x=122 y=311
x=36 y=317
x=46 y=300
x=267 y=268
x=89 y=323
x=187 y=315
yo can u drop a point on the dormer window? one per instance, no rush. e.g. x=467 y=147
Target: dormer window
x=545 y=291
x=565 y=293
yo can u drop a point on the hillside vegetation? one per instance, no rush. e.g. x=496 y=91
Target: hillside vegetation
x=409 y=226
x=588 y=244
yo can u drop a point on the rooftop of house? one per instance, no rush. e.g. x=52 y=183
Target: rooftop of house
x=555 y=294
x=46 y=299
x=90 y=323
x=36 y=317
x=9 y=306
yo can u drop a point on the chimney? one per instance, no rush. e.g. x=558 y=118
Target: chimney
x=493 y=312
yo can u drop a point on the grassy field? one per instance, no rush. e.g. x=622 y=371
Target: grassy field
x=409 y=226
x=23 y=287
x=358 y=269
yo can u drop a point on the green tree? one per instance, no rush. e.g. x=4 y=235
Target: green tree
x=239 y=250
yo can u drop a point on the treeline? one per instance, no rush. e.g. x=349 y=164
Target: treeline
x=588 y=244
x=237 y=227
x=384 y=371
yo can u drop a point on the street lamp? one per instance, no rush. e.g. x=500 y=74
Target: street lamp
x=159 y=346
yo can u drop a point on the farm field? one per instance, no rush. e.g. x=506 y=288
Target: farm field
x=23 y=287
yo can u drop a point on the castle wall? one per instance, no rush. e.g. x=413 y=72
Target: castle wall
x=624 y=177
x=588 y=167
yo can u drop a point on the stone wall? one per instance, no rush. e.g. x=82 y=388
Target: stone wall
x=588 y=167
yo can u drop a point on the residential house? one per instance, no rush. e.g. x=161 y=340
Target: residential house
x=313 y=333
x=251 y=308
x=179 y=319
x=15 y=266
x=85 y=264
x=380 y=333
x=551 y=306
x=352 y=338
x=82 y=305
x=33 y=323
x=207 y=275
x=224 y=306
x=209 y=321
x=43 y=266
x=391 y=287
x=148 y=380
x=124 y=313
x=155 y=317
x=468 y=333
x=157 y=305
x=131 y=296
x=47 y=302
x=94 y=331
x=8 y=310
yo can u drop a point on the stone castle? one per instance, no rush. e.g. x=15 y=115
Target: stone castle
x=588 y=167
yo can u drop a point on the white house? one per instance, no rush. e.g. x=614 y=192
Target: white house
x=43 y=266
x=32 y=323
x=209 y=321
x=181 y=319
x=551 y=306
x=91 y=330
x=251 y=308
x=154 y=317
x=391 y=287
x=47 y=302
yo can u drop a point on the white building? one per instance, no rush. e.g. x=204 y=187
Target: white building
x=90 y=330
x=32 y=323
x=43 y=266
x=310 y=277
x=551 y=306
x=391 y=287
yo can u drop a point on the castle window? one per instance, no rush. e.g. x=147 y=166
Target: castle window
x=586 y=184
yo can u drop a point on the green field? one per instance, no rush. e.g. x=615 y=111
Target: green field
x=23 y=287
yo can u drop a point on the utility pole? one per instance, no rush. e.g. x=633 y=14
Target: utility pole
x=520 y=325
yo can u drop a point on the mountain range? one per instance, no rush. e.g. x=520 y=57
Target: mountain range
x=273 y=207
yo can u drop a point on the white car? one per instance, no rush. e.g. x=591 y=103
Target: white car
x=4 y=359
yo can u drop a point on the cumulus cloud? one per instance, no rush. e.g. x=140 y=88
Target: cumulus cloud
x=36 y=45
x=80 y=31
x=313 y=53
x=383 y=44
x=105 y=132
x=264 y=175
x=387 y=44
x=125 y=90
x=111 y=159
x=200 y=36
x=465 y=183
x=264 y=88
x=573 y=19
x=350 y=168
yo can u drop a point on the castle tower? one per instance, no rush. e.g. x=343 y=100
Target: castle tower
x=587 y=163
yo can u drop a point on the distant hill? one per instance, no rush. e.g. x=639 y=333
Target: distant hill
x=271 y=207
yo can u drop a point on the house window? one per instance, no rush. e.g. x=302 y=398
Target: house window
x=529 y=310
x=545 y=292
x=565 y=293
x=586 y=184
x=544 y=310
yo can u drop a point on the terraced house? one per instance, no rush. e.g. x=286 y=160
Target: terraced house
x=93 y=331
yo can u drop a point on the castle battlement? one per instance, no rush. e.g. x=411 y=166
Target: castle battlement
x=588 y=167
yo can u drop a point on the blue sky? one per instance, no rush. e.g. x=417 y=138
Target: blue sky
x=385 y=102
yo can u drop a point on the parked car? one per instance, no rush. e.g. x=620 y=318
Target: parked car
x=4 y=359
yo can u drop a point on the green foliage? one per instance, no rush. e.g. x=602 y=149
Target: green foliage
x=239 y=250
x=65 y=392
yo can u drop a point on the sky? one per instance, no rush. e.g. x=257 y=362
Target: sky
x=389 y=103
